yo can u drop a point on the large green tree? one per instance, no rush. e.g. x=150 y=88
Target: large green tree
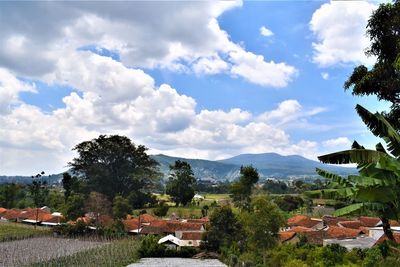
x=377 y=187
x=114 y=165
x=241 y=189
x=383 y=79
x=261 y=225
x=181 y=182
x=224 y=229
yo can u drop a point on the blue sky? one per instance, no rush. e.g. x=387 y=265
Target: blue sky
x=192 y=79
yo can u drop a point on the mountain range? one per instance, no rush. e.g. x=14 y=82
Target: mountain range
x=267 y=164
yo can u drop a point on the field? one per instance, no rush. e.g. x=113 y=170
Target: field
x=12 y=231
x=116 y=253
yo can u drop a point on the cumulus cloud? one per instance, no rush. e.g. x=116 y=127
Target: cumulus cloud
x=111 y=98
x=337 y=142
x=264 y=31
x=339 y=28
x=179 y=36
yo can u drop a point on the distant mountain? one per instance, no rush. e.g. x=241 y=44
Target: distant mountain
x=268 y=165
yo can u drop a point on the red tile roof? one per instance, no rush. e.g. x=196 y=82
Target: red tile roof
x=147 y=218
x=384 y=238
x=333 y=221
x=131 y=224
x=284 y=236
x=204 y=220
x=300 y=229
x=12 y=214
x=342 y=232
x=369 y=221
x=350 y=224
x=164 y=226
x=2 y=210
x=192 y=235
x=301 y=220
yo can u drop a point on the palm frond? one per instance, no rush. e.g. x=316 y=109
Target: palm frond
x=333 y=177
x=359 y=156
x=380 y=127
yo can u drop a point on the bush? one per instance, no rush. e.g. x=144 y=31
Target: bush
x=149 y=247
x=161 y=209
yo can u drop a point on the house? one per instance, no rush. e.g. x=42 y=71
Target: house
x=198 y=197
x=170 y=242
x=170 y=227
x=189 y=238
x=132 y=225
x=305 y=221
x=288 y=237
x=362 y=242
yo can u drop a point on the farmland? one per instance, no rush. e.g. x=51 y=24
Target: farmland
x=12 y=231
x=51 y=251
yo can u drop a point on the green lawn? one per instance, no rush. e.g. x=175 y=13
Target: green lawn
x=12 y=231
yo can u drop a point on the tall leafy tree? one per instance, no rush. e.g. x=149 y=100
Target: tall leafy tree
x=121 y=207
x=383 y=79
x=224 y=229
x=377 y=187
x=181 y=182
x=241 y=189
x=262 y=224
x=113 y=165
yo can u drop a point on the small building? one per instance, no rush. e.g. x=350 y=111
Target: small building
x=198 y=197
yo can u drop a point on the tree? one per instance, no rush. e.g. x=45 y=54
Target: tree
x=121 y=207
x=161 y=209
x=383 y=79
x=98 y=204
x=224 y=229
x=261 y=225
x=241 y=190
x=74 y=206
x=9 y=195
x=70 y=184
x=377 y=187
x=113 y=165
x=181 y=183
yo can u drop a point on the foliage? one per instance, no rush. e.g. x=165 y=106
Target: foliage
x=98 y=204
x=376 y=188
x=289 y=202
x=262 y=224
x=9 y=195
x=161 y=209
x=38 y=190
x=383 y=79
x=113 y=165
x=121 y=207
x=11 y=231
x=241 y=190
x=74 y=207
x=70 y=185
x=181 y=183
x=149 y=247
x=224 y=229
x=138 y=199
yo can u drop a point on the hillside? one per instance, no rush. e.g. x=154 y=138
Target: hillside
x=268 y=165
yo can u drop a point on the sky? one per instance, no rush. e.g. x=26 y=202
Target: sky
x=195 y=79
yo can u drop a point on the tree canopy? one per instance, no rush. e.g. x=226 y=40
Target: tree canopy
x=114 y=165
x=241 y=189
x=383 y=79
x=181 y=182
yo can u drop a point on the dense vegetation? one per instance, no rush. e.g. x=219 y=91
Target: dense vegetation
x=12 y=231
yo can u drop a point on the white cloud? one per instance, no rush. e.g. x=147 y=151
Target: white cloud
x=10 y=87
x=325 y=75
x=265 y=31
x=181 y=36
x=339 y=27
x=157 y=116
x=255 y=69
x=337 y=142
x=289 y=112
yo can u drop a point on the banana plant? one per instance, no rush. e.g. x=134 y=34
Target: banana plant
x=377 y=186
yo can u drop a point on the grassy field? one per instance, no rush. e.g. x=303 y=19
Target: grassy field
x=116 y=253
x=13 y=231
